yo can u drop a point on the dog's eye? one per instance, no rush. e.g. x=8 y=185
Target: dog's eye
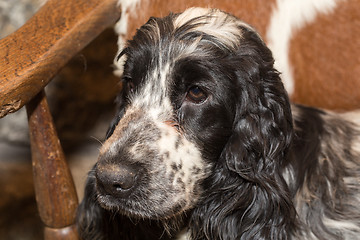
x=196 y=95
x=130 y=86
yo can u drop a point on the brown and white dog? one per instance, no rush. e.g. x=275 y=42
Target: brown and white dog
x=315 y=43
x=206 y=143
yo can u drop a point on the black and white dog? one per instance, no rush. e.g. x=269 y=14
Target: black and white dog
x=207 y=146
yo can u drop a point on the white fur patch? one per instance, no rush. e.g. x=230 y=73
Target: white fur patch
x=186 y=157
x=218 y=24
x=153 y=96
x=288 y=175
x=289 y=16
x=184 y=235
x=354 y=117
x=121 y=29
x=340 y=224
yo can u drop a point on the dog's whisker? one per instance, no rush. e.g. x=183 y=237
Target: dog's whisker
x=97 y=140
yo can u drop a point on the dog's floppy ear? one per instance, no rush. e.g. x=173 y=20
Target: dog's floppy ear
x=260 y=142
x=255 y=200
x=263 y=128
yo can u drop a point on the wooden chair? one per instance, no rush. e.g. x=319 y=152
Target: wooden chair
x=29 y=59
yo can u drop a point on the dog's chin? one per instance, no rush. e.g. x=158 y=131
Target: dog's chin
x=140 y=209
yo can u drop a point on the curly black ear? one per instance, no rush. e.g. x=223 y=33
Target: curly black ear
x=255 y=201
x=263 y=126
x=259 y=145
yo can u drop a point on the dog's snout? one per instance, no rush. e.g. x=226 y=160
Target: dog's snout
x=117 y=180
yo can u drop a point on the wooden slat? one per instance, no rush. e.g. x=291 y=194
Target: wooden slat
x=33 y=54
x=68 y=233
x=54 y=188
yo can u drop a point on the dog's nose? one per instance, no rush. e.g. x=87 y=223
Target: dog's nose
x=116 y=179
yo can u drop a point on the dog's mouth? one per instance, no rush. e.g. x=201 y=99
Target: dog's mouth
x=136 y=206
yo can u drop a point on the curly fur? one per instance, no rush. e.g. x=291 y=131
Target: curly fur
x=237 y=161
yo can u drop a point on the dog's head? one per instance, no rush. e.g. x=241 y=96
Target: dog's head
x=199 y=93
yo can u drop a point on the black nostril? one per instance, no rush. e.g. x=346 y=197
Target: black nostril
x=125 y=181
x=115 y=179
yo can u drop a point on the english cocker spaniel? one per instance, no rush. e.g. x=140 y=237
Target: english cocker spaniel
x=206 y=145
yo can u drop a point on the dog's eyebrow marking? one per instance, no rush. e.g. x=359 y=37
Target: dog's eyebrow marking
x=213 y=22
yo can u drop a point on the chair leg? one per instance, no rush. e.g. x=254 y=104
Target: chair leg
x=54 y=187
